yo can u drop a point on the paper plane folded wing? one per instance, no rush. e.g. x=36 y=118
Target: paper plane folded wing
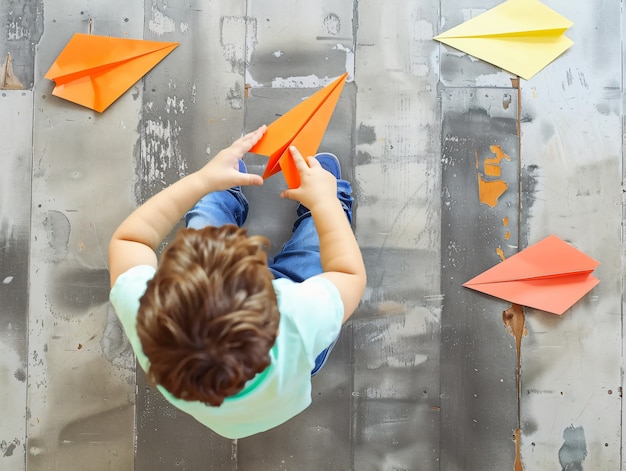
x=550 y=275
x=520 y=36
x=303 y=126
x=94 y=71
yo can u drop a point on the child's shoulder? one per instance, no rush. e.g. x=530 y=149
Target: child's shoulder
x=137 y=274
x=313 y=294
x=314 y=285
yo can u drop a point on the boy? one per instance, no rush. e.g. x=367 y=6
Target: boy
x=225 y=337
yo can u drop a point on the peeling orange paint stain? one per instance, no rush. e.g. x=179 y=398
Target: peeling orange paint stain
x=505 y=223
x=500 y=253
x=489 y=192
x=515 y=322
x=518 y=454
x=490 y=189
x=492 y=166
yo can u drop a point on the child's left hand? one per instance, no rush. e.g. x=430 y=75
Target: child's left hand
x=222 y=172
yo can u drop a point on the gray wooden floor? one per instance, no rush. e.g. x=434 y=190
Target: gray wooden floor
x=425 y=374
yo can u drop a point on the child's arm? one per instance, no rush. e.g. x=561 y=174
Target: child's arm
x=136 y=240
x=339 y=252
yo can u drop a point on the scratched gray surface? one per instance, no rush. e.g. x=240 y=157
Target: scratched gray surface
x=81 y=379
x=15 y=187
x=423 y=377
x=572 y=156
x=478 y=386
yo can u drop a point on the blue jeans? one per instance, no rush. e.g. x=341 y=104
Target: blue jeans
x=299 y=258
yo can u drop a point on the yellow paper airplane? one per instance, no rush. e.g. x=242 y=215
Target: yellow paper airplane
x=521 y=36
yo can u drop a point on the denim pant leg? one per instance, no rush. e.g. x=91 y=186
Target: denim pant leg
x=299 y=258
x=217 y=209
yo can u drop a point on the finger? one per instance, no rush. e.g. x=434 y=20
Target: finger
x=247 y=179
x=288 y=194
x=313 y=162
x=254 y=136
x=301 y=164
x=247 y=141
x=258 y=134
x=252 y=180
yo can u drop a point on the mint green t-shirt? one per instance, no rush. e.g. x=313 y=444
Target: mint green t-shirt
x=311 y=313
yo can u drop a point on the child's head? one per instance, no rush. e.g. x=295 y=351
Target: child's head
x=209 y=316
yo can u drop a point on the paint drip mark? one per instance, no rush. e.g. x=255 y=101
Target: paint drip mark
x=490 y=185
x=159 y=23
x=7 y=449
x=235 y=96
x=20 y=375
x=506 y=101
x=500 y=253
x=518 y=453
x=8 y=80
x=507 y=236
x=574 y=450
x=514 y=320
x=236 y=52
x=332 y=25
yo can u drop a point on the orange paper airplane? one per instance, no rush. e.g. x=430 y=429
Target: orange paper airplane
x=550 y=275
x=94 y=71
x=303 y=126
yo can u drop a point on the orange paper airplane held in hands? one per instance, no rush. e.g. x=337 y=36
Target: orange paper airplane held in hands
x=303 y=126
x=94 y=71
x=550 y=275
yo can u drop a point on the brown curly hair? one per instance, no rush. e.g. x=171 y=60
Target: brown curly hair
x=209 y=317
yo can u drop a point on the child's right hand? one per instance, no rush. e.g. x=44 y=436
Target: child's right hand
x=340 y=255
x=317 y=186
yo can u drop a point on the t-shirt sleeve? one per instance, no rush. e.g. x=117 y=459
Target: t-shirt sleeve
x=316 y=310
x=125 y=295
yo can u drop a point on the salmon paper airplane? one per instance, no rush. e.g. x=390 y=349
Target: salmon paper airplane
x=550 y=275
x=94 y=71
x=520 y=36
x=303 y=126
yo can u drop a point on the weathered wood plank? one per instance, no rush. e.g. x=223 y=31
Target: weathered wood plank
x=192 y=107
x=81 y=373
x=397 y=168
x=479 y=407
x=21 y=28
x=572 y=165
x=16 y=126
x=297 y=48
x=457 y=68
